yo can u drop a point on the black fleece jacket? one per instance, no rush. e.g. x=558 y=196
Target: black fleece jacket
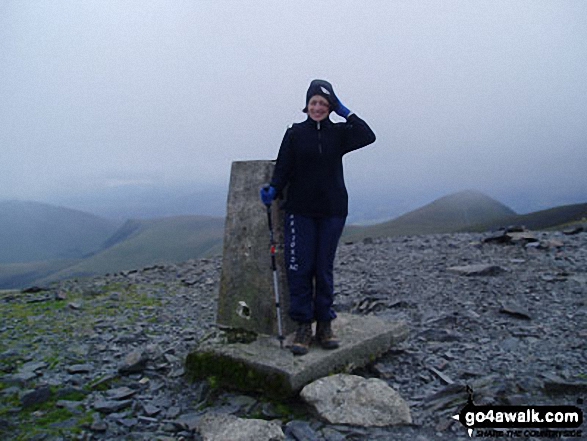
x=309 y=163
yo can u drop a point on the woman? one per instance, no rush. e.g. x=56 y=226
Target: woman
x=309 y=163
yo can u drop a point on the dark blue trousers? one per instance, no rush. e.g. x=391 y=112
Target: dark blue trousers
x=310 y=248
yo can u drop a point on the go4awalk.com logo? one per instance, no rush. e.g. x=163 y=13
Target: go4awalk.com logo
x=520 y=421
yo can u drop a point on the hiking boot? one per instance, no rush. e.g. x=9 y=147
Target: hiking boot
x=302 y=340
x=325 y=337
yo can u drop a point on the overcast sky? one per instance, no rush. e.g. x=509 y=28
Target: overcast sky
x=485 y=95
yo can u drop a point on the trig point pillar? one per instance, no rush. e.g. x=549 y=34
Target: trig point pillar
x=247 y=297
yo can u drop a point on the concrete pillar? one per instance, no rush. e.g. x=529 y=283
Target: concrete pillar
x=247 y=299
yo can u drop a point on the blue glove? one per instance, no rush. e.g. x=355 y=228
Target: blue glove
x=341 y=110
x=268 y=193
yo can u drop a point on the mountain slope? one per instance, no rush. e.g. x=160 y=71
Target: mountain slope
x=448 y=214
x=556 y=217
x=32 y=231
x=141 y=243
x=23 y=275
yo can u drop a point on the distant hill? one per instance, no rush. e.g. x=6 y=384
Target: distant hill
x=448 y=214
x=23 y=275
x=32 y=231
x=552 y=218
x=141 y=243
x=40 y=243
x=143 y=201
x=137 y=244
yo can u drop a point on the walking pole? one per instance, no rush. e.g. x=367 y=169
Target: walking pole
x=275 y=282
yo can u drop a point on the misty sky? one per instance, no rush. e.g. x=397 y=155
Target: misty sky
x=485 y=95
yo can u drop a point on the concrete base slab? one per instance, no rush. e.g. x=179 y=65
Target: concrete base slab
x=262 y=366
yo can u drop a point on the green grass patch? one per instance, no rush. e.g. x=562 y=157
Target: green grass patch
x=45 y=419
x=40 y=326
x=56 y=317
x=102 y=384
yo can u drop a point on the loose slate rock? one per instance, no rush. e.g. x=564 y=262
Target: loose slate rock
x=33 y=366
x=33 y=290
x=188 y=421
x=498 y=237
x=441 y=375
x=99 y=426
x=565 y=387
x=406 y=268
x=134 y=362
x=80 y=369
x=220 y=427
x=574 y=230
x=515 y=311
x=522 y=237
x=38 y=396
x=121 y=393
x=21 y=378
x=110 y=406
x=445 y=335
x=476 y=270
x=300 y=431
x=151 y=410
x=354 y=400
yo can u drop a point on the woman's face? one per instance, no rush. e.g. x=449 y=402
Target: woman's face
x=318 y=108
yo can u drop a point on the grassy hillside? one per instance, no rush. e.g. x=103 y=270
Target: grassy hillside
x=141 y=243
x=445 y=215
x=21 y=275
x=146 y=242
x=31 y=231
x=557 y=217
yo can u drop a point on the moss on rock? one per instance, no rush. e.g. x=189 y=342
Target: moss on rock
x=230 y=373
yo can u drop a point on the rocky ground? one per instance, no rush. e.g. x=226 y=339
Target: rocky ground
x=103 y=358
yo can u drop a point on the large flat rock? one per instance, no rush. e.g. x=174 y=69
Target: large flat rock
x=263 y=366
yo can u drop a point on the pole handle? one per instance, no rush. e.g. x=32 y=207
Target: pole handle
x=269 y=220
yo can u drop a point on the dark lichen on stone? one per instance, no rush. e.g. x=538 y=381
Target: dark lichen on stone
x=235 y=374
x=239 y=335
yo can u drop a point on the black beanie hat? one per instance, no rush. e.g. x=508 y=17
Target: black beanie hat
x=322 y=88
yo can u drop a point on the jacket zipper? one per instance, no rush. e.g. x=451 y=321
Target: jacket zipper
x=319 y=138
